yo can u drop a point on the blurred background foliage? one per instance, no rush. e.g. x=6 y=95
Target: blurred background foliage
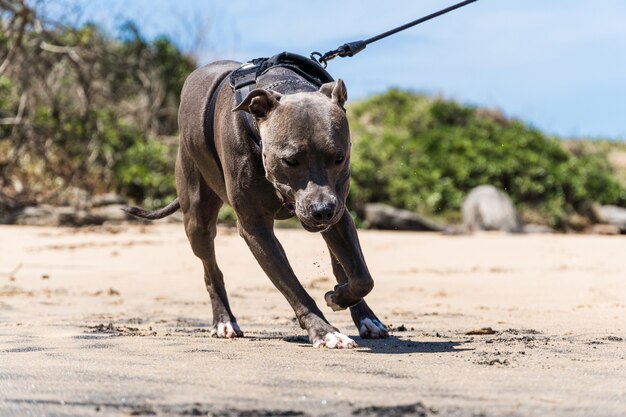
x=424 y=154
x=81 y=109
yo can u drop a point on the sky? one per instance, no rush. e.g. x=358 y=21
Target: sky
x=558 y=65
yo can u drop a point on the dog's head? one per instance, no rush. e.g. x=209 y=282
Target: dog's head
x=306 y=150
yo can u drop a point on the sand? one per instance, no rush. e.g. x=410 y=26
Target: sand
x=115 y=321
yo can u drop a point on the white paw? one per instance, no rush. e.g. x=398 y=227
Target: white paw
x=372 y=329
x=228 y=329
x=335 y=340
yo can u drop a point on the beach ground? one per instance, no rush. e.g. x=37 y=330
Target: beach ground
x=115 y=321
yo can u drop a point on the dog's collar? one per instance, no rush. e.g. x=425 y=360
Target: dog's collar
x=305 y=67
x=244 y=79
x=287 y=81
x=246 y=82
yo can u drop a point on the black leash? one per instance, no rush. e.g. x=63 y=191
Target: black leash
x=353 y=48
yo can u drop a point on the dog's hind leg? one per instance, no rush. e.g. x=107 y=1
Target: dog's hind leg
x=369 y=326
x=200 y=209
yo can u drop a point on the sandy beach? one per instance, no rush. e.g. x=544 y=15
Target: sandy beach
x=115 y=321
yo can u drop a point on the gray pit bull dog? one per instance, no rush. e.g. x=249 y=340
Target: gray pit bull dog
x=301 y=169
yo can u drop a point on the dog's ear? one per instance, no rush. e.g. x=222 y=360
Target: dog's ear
x=259 y=102
x=336 y=91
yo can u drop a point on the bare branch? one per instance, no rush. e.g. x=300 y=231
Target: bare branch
x=69 y=50
x=24 y=15
x=20 y=112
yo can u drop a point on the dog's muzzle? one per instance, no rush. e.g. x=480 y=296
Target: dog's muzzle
x=318 y=216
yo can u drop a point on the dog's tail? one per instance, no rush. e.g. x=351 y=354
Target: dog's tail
x=156 y=214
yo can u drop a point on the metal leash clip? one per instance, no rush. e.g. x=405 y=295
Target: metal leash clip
x=353 y=48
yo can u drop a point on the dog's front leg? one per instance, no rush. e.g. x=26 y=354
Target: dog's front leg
x=343 y=242
x=259 y=235
x=369 y=326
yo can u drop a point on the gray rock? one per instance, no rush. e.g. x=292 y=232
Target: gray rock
x=72 y=196
x=176 y=217
x=108 y=199
x=382 y=216
x=34 y=216
x=69 y=216
x=8 y=206
x=604 y=229
x=487 y=208
x=537 y=228
x=54 y=216
x=455 y=230
x=612 y=215
x=112 y=213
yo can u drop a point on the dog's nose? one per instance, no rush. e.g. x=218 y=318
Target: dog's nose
x=322 y=212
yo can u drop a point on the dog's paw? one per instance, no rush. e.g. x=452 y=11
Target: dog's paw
x=372 y=329
x=335 y=340
x=227 y=329
x=330 y=298
x=341 y=297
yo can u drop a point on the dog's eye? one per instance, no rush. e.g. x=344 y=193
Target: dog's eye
x=292 y=162
x=339 y=158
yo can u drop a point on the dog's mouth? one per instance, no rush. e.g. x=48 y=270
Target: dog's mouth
x=290 y=207
x=288 y=203
x=321 y=227
x=314 y=228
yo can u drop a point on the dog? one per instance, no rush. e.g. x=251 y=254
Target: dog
x=301 y=168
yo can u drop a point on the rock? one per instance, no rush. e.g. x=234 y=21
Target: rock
x=72 y=196
x=481 y=332
x=612 y=215
x=487 y=208
x=176 y=217
x=34 y=216
x=455 y=230
x=108 y=199
x=382 y=216
x=112 y=213
x=537 y=228
x=70 y=216
x=604 y=229
x=8 y=206
x=54 y=216
x=577 y=222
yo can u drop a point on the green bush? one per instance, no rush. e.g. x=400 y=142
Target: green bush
x=227 y=215
x=146 y=174
x=425 y=154
x=99 y=111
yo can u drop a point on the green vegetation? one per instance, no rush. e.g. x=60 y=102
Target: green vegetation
x=83 y=109
x=424 y=154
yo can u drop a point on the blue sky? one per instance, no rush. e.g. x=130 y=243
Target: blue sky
x=559 y=65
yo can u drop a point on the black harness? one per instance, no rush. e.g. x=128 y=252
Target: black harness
x=244 y=79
